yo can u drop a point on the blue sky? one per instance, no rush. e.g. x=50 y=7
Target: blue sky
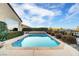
x=65 y=15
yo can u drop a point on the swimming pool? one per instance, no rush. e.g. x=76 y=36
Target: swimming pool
x=36 y=40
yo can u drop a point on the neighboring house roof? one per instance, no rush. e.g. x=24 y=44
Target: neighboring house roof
x=24 y=26
x=14 y=11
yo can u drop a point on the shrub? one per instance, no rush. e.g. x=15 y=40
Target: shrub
x=3 y=31
x=4 y=35
x=63 y=32
x=52 y=34
x=26 y=29
x=15 y=29
x=3 y=26
x=48 y=32
x=69 y=39
x=34 y=29
x=12 y=35
x=58 y=35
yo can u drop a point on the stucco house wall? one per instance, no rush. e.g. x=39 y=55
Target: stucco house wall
x=9 y=17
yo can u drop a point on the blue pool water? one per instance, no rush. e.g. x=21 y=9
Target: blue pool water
x=36 y=40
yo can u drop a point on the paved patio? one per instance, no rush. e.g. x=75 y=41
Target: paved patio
x=62 y=50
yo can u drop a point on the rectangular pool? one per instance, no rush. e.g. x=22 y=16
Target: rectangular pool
x=36 y=40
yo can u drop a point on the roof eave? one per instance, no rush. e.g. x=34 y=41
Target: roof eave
x=14 y=11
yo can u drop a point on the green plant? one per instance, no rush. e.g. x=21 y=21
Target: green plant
x=59 y=35
x=3 y=31
x=15 y=29
x=34 y=29
x=69 y=39
x=53 y=34
x=14 y=34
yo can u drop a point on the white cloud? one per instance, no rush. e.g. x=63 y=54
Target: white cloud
x=57 y=12
x=74 y=8
x=56 y=5
x=33 y=9
x=70 y=18
x=26 y=22
x=36 y=19
x=18 y=9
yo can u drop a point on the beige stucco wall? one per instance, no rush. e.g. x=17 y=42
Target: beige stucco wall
x=8 y=16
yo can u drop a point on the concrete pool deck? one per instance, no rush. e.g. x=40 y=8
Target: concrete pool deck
x=62 y=50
